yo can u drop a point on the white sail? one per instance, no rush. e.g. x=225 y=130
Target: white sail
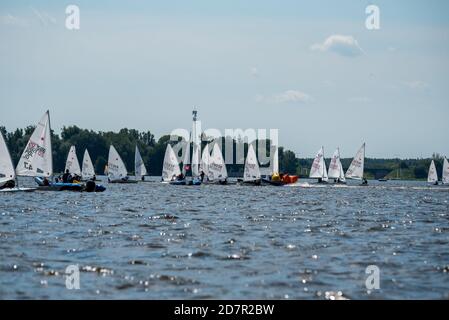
x=6 y=167
x=139 y=169
x=275 y=160
x=355 y=170
x=433 y=176
x=116 y=167
x=319 y=170
x=445 y=171
x=170 y=167
x=335 y=167
x=205 y=160
x=88 y=171
x=36 y=160
x=252 y=171
x=217 y=166
x=186 y=160
x=72 y=163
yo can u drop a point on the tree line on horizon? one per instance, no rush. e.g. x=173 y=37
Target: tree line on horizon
x=152 y=151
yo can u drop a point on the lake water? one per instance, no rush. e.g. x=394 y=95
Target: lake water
x=157 y=241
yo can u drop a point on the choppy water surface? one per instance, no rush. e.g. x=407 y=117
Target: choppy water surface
x=156 y=241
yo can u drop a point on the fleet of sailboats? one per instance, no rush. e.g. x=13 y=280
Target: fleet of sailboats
x=205 y=166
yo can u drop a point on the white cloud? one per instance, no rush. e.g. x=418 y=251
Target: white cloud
x=339 y=44
x=417 y=84
x=255 y=72
x=11 y=20
x=289 y=96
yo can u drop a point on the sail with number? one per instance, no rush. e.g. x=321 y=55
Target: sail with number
x=319 y=170
x=72 y=164
x=205 y=161
x=355 y=170
x=433 y=176
x=335 y=167
x=87 y=171
x=170 y=169
x=217 y=166
x=6 y=167
x=139 y=169
x=252 y=171
x=445 y=171
x=36 y=160
x=116 y=166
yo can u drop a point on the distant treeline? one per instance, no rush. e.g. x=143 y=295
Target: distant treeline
x=153 y=152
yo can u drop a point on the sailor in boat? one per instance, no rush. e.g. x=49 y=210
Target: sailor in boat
x=364 y=182
x=66 y=176
x=45 y=182
x=180 y=177
x=202 y=174
x=8 y=185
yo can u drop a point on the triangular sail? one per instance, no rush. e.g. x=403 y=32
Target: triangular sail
x=318 y=170
x=6 y=167
x=72 y=164
x=217 y=166
x=252 y=171
x=139 y=169
x=88 y=171
x=186 y=160
x=36 y=160
x=335 y=167
x=205 y=161
x=433 y=176
x=170 y=169
x=445 y=171
x=355 y=170
x=116 y=166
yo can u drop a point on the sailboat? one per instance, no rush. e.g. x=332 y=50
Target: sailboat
x=87 y=171
x=170 y=167
x=36 y=161
x=140 y=169
x=217 y=168
x=319 y=170
x=72 y=165
x=117 y=172
x=432 y=178
x=251 y=174
x=445 y=171
x=356 y=169
x=336 y=169
x=7 y=172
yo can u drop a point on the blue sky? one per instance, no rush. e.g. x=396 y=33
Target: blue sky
x=309 y=68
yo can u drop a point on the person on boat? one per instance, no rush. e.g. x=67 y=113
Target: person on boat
x=45 y=182
x=320 y=180
x=364 y=182
x=94 y=178
x=66 y=176
x=143 y=178
x=202 y=174
x=180 y=177
x=8 y=185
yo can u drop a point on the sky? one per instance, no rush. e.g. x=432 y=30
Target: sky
x=308 y=68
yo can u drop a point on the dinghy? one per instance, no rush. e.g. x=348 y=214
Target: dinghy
x=36 y=161
x=87 y=171
x=432 y=177
x=139 y=167
x=356 y=169
x=72 y=164
x=251 y=174
x=117 y=172
x=276 y=178
x=336 y=169
x=7 y=172
x=170 y=167
x=319 y=170
x=445 y=171
x=217 y=167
